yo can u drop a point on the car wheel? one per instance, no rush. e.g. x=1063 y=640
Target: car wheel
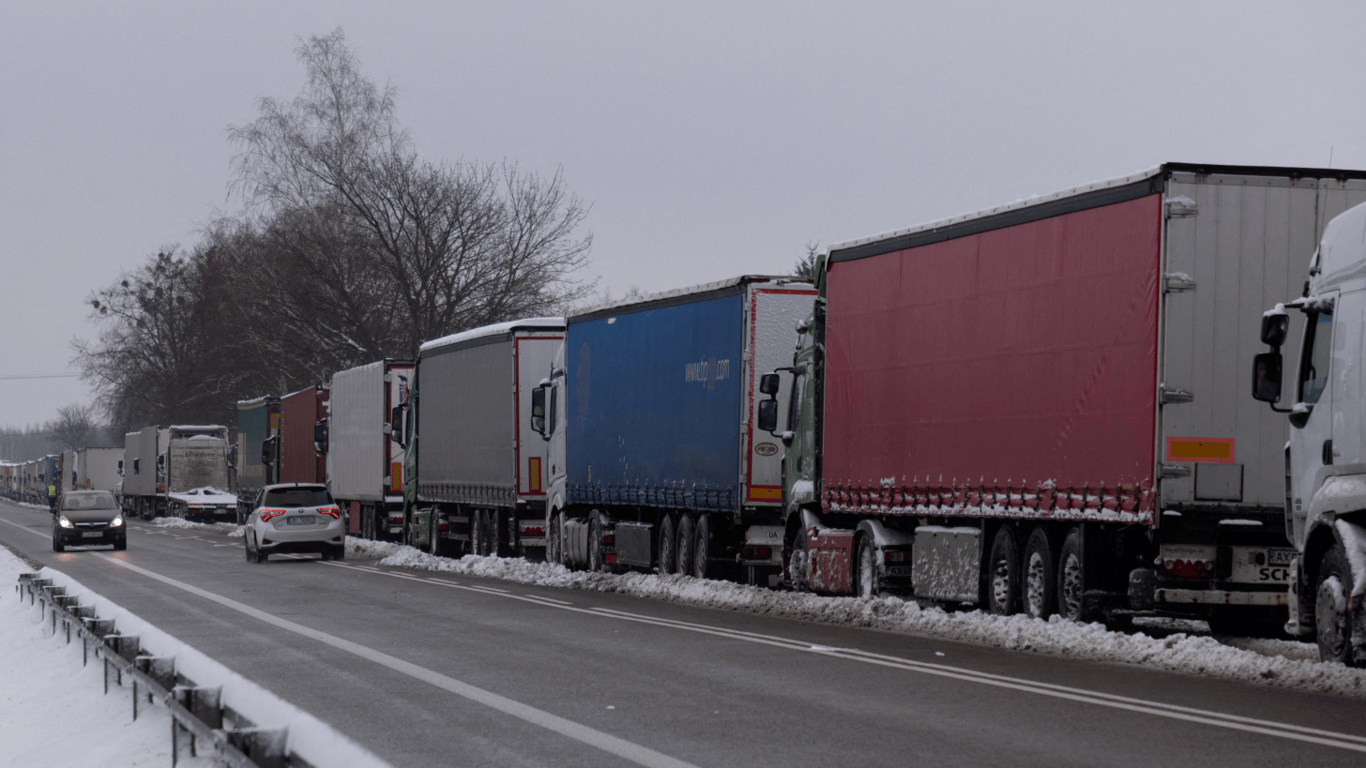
x=865 y=580
x=687 y=540
x=668 y=545
x=701 y=547
x=1003 y=573
x=247 y=548
x=121 y=545
x=1071 y=584
x=1332 y=620
x=339 y=552
x=1040 y=583
x=58 y=546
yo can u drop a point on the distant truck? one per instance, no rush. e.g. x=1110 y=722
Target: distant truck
x=258 y=421
x=97 y=469
x=1039 y=408
x=303 y=438
x=655 y=458
x=364 y=466
x=1325 y=458
x=474 y=469
x=162 y=465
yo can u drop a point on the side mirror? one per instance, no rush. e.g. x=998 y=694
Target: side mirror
x=1266 y=374
x=396 y=424
x=1275 y=326
x=265 y=449
x=320 y=437
x=538 y=410
x=120 y=467
x=768 y=384
x=137 y=466
x=768 y=412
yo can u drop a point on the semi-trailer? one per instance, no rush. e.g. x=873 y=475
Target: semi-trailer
x=97 y=468
x=1038 y=407
x=1325 y=456
x=303 y=438
x=168 y=469
x=364 y=466
x=474 y=479
x=655 y=458
x=258 y=425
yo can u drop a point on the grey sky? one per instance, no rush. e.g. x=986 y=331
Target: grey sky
x=712 y=138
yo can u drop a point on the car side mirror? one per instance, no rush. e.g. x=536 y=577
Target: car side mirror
x=1275 y=326
x=1266 y=377
x=768 y=384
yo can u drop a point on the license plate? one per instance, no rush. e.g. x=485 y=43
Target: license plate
x=899 y=570
x=1254 y=565
x=1280 y=556
x=92 y=534
x=300 y=520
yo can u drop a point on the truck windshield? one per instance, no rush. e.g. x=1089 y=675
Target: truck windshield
x=1317 y=354
x=297 y=497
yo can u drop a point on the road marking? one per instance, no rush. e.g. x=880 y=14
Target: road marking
x=626 y=750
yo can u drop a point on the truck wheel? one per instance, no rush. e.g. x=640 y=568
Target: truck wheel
x=552 y=540
x=1071 y=587
x=866 y=581
x=1003 y=573
x=434 y=534
x=668 y=545
x=1040 y=583
x=798 y=566
x=596 y=562
x=477 y=532
x=701 y=548
x=686 y=541
x=1331 y=618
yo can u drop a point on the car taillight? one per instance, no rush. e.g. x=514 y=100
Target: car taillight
x=267 y=514
x=335 y=512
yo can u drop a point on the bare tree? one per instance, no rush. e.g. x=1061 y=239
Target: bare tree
x=74 y=426
x=806 y=265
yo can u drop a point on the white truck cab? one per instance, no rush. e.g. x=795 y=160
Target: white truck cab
x=1326 y=453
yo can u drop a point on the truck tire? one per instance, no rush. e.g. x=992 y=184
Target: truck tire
x=1071 y=584
x=701 y=548
x=434 y=534
x=798 y=566
x=477 y=532
x=596 y=562
x=1039 y=585
x=1332 y=620
x=686 y=541
x=1003 y=573
x=668 y=545
x=553 y=545
x=865 y=560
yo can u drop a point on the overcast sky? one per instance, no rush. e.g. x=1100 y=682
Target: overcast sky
x=712 y=138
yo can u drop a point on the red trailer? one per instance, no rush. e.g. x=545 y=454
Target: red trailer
x=303 y=436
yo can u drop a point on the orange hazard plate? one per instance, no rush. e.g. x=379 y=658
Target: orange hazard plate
x=1218 y=450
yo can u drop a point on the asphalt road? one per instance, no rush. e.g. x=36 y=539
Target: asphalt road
x=427 y=669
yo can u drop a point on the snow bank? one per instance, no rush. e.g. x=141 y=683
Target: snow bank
x=312 y=739
x=231 y=529
x=1276 y=663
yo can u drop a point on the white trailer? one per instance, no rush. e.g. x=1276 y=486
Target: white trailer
x=365 y=467
x=98 y=468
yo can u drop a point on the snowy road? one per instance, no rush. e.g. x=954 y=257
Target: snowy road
x=429 y=668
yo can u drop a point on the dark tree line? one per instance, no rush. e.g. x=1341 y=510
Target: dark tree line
x=349 y=248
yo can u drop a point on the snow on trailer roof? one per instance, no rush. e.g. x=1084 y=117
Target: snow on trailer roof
x=255 y=401
x=497 y=329
x=689 y=291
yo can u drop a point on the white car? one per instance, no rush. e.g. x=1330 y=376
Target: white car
x=295 y=517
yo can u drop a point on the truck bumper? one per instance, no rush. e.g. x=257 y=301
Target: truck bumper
x=1218 y=597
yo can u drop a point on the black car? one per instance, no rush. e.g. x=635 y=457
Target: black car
x=88 y=517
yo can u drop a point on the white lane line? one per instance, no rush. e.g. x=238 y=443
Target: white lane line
x=626 y=750
x=1176 y=712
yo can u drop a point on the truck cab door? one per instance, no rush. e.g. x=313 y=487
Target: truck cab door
x=1311 y=424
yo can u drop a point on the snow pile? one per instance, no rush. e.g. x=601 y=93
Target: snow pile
x=231 y=529
x=1276 y=663
x=42 y=684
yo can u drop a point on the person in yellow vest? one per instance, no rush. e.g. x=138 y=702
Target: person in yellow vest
x=52 y=496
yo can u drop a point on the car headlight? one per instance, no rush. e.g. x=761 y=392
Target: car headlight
x=63 y=522
x=116 y=522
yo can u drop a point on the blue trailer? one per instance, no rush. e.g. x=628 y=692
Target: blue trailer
x=656 y=460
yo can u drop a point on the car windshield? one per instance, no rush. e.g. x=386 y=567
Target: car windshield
x=297 y=497
x=89 y=501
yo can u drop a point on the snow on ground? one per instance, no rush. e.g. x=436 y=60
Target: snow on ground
x=231 y=529
x=54 y=712
x=1277 y=663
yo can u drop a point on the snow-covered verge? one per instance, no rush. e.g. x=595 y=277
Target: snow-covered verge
x=53 y=711
x=48 y=702
x=1277 y=663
